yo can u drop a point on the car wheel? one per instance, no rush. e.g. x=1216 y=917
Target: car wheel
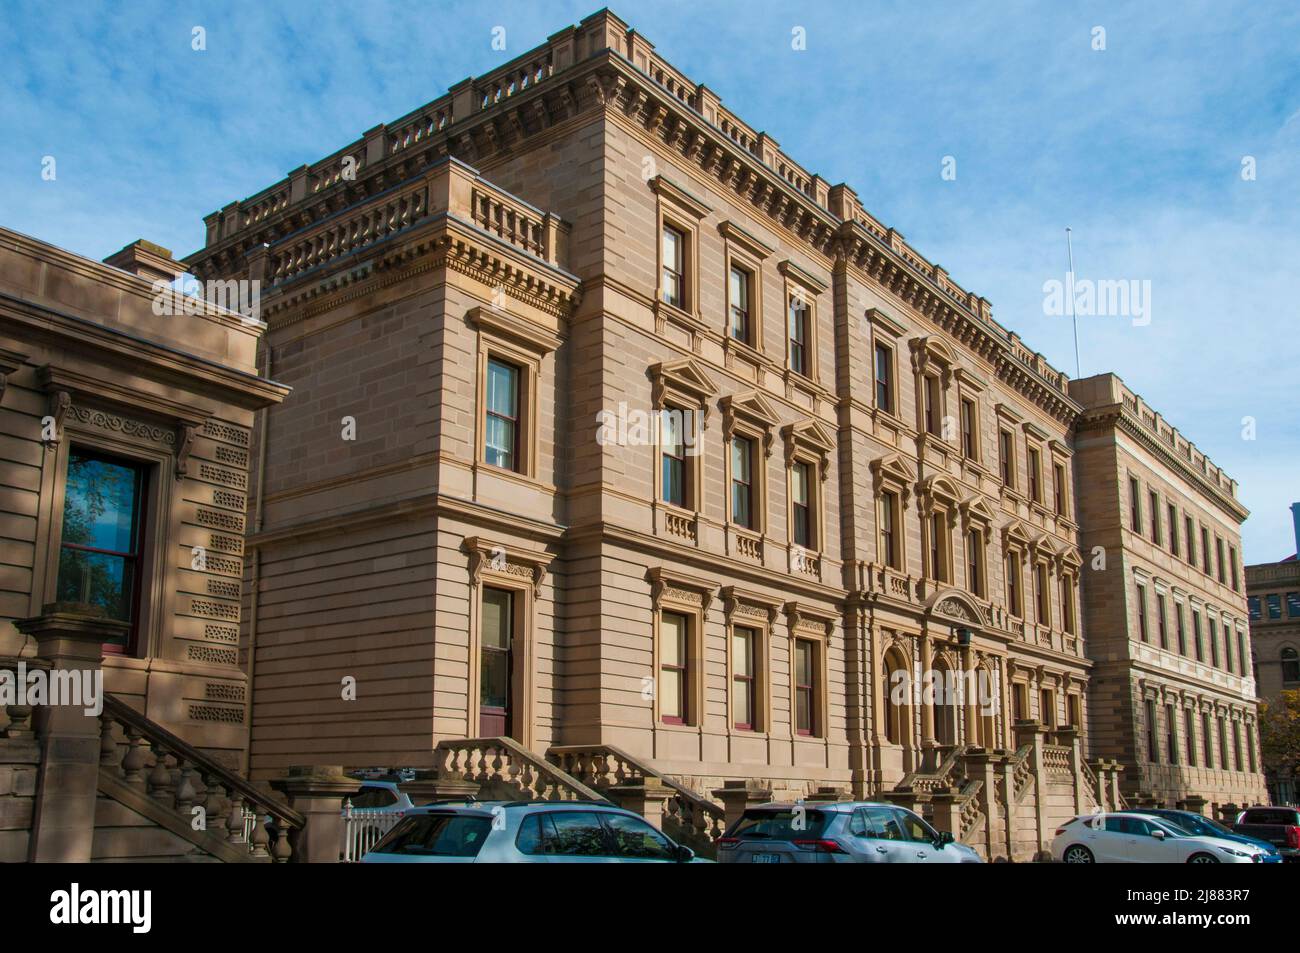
x=1078 y=854
x=1202 y=859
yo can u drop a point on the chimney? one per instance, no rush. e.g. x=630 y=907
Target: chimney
x=147 y=260
x=1295 y=522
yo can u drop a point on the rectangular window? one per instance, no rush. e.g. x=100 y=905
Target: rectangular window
x=1067 y=603
x=1250 y=746
x=497 y=635
x=1035 y=475
x=1205 y=550
x=1135 y=504
x=1153 y=752
x=1142 y=612
x=501 y=438
x=1214 y=641
x=1196 y=636
x=1293 y=605
x=975 y=562
x=1241 y=653
x=674 y=661
x=1160 y=620
x=674 y=267
x=1173 y=529
x=1189 y=539
x=885 y=378
x=1227 y=647
x=933 y=405
x=1274 y=603
x=739 y=287
x=1041 y=595
x=1058 y=488
x=968 y=428
x=888 y=534
x=101 y=551
x=1218 y=553
x=805 y=687
x=1207 y=740
x=1154 y=497
x=1189 y=736
x=1233 y=578
x=1223 y=746
x=742 y=485
x=1180 y=628
x=799 y=356
x=1006 y=457
x=1047 y=707
x=1253 y=608
x=801 y=504
x=1171 y=734
x=743 y=671
x=1013 y=584
x=673 y=424
x=939 y=547
x=1236 y=745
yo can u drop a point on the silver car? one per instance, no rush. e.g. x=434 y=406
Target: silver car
x=527 y=832
x=838 y=832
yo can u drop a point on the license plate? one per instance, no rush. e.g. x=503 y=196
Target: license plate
x=766 y=859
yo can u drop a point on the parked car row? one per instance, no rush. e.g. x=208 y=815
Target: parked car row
x=852 y=832
x=1158 y=836
x=583 y=832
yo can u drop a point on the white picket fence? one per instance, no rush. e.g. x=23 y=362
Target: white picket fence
x=362 y=828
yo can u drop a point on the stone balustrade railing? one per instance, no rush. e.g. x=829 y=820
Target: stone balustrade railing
x=148 y=758
x=450 y=187
x=1056 y=759
x=689 y=817
x=506 y=770
x=1023 y=773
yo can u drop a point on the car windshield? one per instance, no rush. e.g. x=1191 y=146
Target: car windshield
x=786 y=824
x=440 y=835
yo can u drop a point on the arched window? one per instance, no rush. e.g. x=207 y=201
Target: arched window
x=1290 y=665
x=897 y=695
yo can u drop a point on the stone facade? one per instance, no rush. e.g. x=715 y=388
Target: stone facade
x=1273 y=593
x=89 y=367
x=883 y=480
x=1172 y=688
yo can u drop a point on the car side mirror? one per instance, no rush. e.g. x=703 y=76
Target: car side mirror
x=1158 y=835
x=945 y=838
x=684 y=854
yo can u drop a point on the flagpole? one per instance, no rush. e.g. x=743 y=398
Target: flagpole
x=1069 y=294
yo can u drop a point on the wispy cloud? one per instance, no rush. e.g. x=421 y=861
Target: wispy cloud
x=1137 y=147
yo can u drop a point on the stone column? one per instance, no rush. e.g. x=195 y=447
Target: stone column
x=927 y=707
x=70 y=637
x=318 y=794
x=947 y=812
x=737 y=796
x=1069 y=737
x=982 y=766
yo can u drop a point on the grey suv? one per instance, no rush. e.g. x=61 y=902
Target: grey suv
x=528 y=832
x=841 y=832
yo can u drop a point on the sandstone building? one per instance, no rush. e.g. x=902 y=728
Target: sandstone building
x=1273 y=594
x=623 y=448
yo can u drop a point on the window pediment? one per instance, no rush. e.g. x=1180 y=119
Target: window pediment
x=682 y=200
x=685 y=378
x=931 y=351
x=521 y=331
x=794 y=273
x=488 y=557
x=975 y=510
x=752 y=410
x=745 y=241
x=676 y=588
x=810 y=436
x=893 y=471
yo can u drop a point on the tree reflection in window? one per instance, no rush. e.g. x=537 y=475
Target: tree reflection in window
x=99 y=555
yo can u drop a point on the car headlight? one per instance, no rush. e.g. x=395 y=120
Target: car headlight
x=1234 y=852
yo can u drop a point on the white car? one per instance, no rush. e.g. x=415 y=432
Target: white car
x=1143 y=839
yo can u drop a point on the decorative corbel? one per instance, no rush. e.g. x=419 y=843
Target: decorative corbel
x=60 y=403
x=185 y=434
x=539 y=576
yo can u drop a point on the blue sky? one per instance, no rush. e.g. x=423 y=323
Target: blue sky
x=1137 y=147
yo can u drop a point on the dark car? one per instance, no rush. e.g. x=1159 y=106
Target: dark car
x=1203 y=826
x=1280 y=826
